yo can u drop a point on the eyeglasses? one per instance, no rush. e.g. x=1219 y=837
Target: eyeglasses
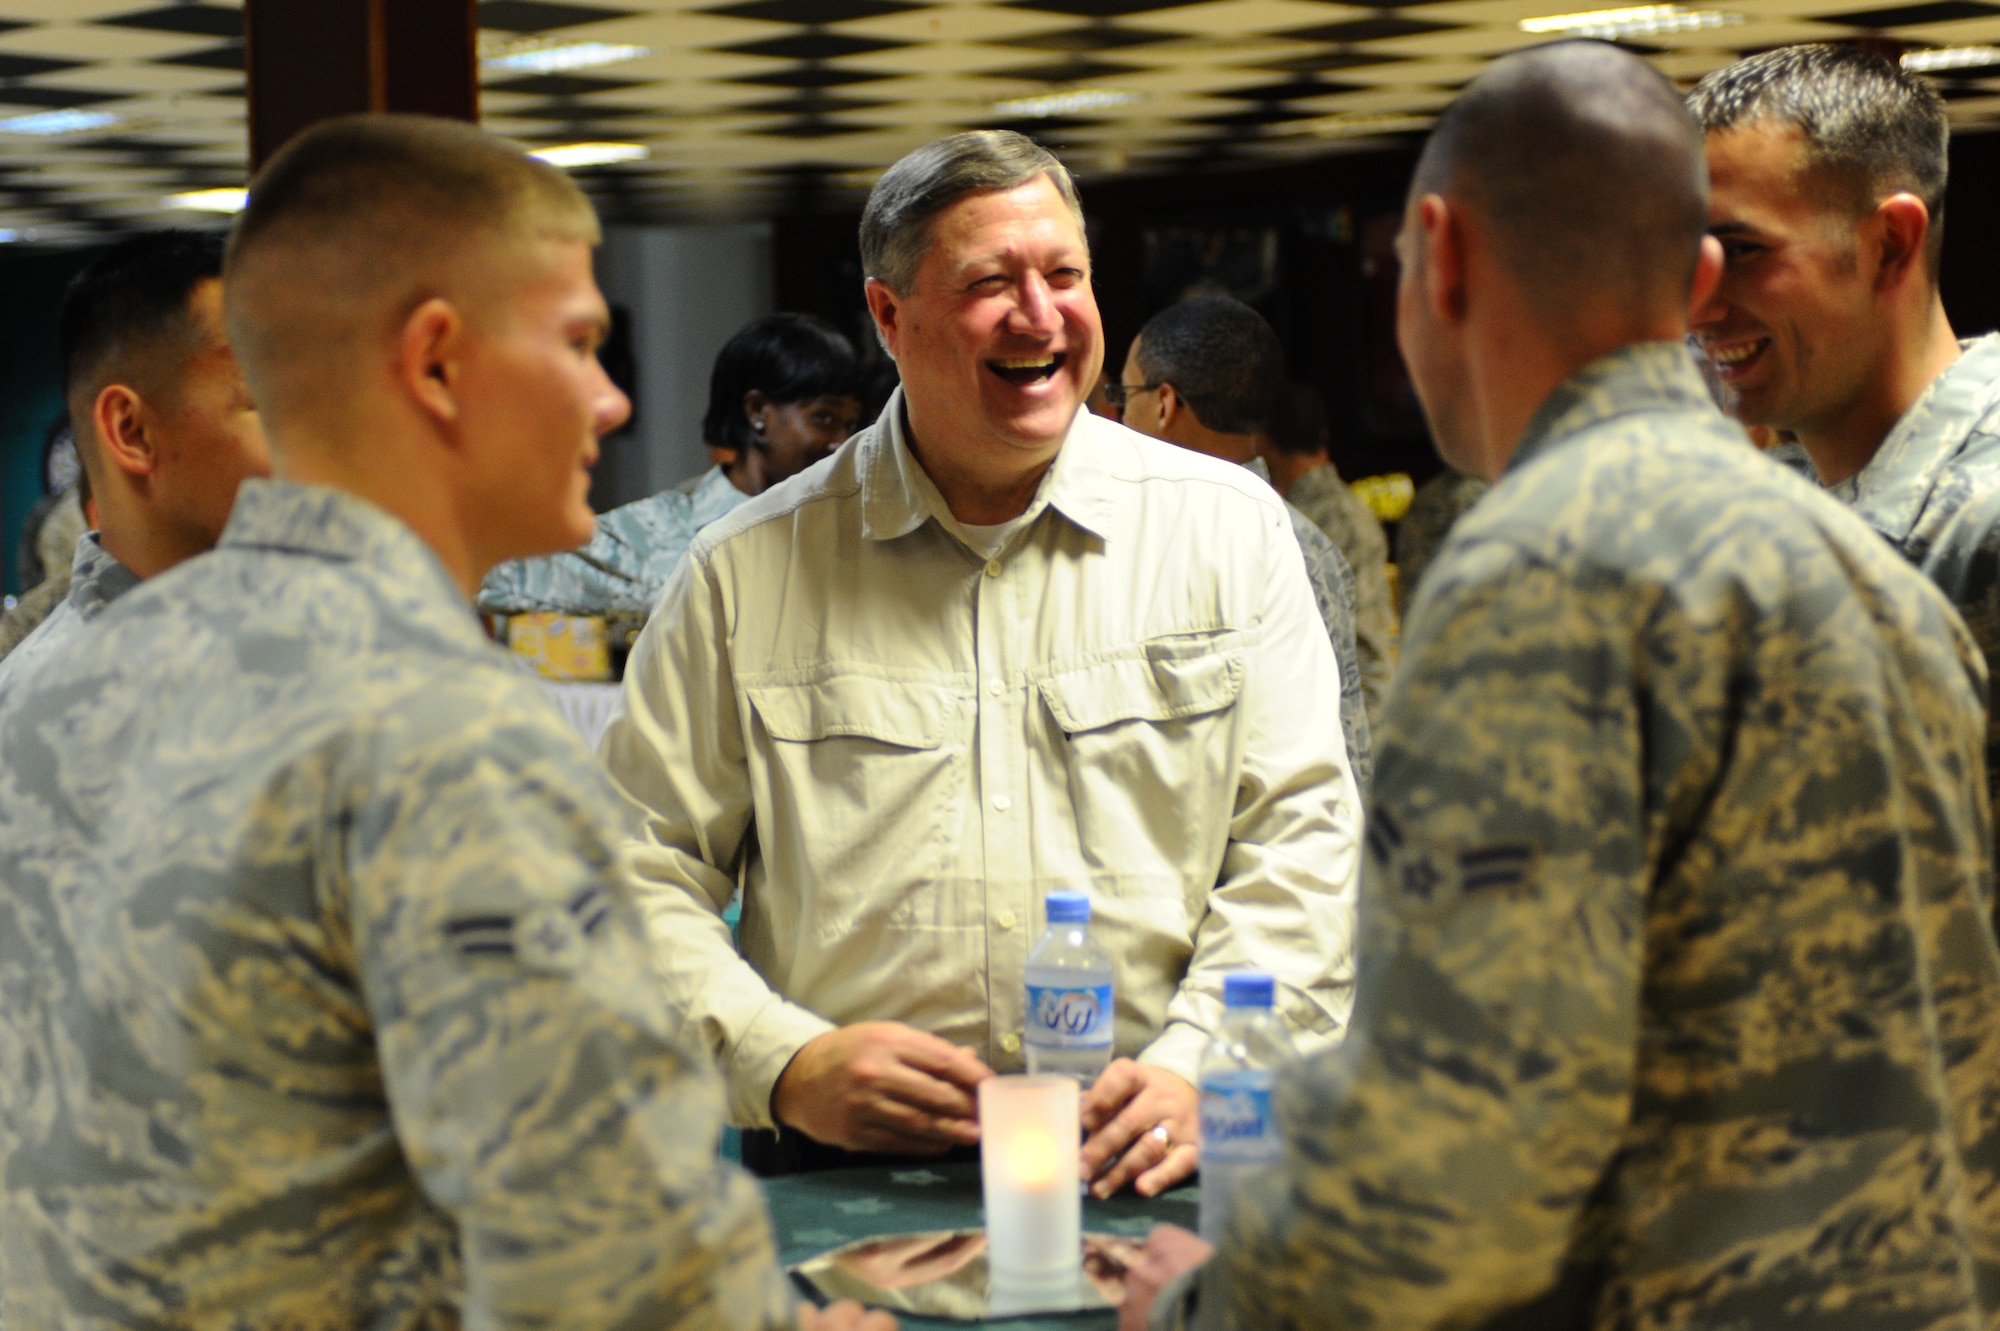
x=1118 y=394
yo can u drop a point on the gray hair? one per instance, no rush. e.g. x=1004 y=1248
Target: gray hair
x=896 y=224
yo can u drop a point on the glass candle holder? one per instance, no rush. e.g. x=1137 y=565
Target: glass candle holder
x=1028 y=1134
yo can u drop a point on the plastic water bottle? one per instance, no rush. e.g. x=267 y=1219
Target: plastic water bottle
x=1068 y=1018
x=1238 y=1069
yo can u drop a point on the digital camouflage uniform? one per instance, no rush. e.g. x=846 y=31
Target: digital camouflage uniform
x=1436 y=507
x=322 y=1003
x=1933 y=489
x=1333 y=590
x=96 y=580
x=1355 y=531
x=623 y=565
x=1678 y=1003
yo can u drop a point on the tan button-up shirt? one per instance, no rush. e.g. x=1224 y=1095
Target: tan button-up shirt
x=901 y=745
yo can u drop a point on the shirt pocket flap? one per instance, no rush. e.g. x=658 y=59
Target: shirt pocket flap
x=1164 y=683
x=911 y=716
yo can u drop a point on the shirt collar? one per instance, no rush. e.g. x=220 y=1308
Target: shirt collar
x=898 y=495
x=337 y=526
x=1647 y=376
x=96 y=577
x=1890 y=492
x=714 y=495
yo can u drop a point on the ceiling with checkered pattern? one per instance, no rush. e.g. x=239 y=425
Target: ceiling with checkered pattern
x=108 y=107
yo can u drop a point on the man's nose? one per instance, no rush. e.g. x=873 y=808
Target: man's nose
x=1036 y=311
x=613 y=408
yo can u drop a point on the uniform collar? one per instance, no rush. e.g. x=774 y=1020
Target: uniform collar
x=714 y=495
x=96 y=577
x=1891 y=491
x=336 y=526
x=898 y=496
x=1646 y=376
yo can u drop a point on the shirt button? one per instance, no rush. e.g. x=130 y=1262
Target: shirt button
x=992 y=568
x=1002 y=803
x=996 y=688
x=1011 y=1042
x=1006 y=919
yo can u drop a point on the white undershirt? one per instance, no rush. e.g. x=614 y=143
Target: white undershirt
x=991 y=539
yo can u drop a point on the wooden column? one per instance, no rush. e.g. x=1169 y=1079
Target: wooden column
x=308 y=60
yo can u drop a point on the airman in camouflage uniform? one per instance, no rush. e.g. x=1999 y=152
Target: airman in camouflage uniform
x=1678 y=1003
x=327 y=1006
x=1834 y=160
x=323 y=1001
x=1438 y=505
x=1357 y=533
x=1334 y=591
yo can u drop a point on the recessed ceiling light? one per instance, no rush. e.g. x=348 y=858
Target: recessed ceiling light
x=546 y=57
x=590 y=154
x=209 y=200
x=59 y=122
x=1352 y=124
x=1635 y=21
x=1950 y=57
x=8 y=235
x=1074 y=102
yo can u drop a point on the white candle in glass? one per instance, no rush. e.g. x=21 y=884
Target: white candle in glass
x=1028 y=1134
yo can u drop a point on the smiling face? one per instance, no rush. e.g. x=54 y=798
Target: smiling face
x=1794 y=330
x=536 y=403
x=998 y=339
x=794 y=435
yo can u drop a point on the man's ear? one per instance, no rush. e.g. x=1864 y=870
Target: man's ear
x=1442 y=228
x=124 y=430
x=1708 y=266
x=1172 y=406
x=886 y=307
x=1900 y=225
x=429 y=359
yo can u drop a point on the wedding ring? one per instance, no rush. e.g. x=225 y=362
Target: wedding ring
x=1158 y=1132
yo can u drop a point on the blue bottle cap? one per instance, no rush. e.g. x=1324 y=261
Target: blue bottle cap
x=1248 y=989
x=1068 y=908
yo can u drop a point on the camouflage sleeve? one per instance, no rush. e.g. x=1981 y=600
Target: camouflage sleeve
x=536 y=1089
x=1332 y=579
x=1965 y=565
x=1437 y=1163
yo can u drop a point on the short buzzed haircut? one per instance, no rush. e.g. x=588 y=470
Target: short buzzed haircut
x=896 y=224
x=359 y=220
x=1588 y=171
x=1871 y=129
x=127 y=317
x=1221 y=357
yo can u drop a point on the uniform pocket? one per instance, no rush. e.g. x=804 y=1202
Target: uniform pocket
x=1149 y=737
x=862 y=775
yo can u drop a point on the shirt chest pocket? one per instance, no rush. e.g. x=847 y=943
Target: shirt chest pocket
x=1150 y=749
x=859 y=776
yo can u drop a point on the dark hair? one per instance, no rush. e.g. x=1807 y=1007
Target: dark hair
x=1587 y=169
x=896 y=224
x=1298 y=421
x=1871 y=129
x=129 y=302
x=787 y=358
x=1220 y=356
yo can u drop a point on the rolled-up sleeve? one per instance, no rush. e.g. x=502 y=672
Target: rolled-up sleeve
x=1285 y=898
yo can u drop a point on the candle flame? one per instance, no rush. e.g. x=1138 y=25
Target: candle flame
x=1032 y=1159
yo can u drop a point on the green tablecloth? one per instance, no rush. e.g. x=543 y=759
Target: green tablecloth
x=814 y=1212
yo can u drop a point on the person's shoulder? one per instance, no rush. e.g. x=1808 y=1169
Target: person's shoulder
x=1124 y=455
x=832 y=479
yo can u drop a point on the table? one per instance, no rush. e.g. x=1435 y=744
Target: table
x=814 y=1212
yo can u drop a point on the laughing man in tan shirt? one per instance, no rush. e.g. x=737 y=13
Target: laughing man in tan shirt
x=994 y=647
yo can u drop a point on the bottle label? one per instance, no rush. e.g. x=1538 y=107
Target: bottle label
x=1236 y=1121
x=1069 y=1017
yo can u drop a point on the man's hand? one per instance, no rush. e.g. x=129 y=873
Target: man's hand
x=1120 y=1113
x=847 y=1315
x=1170 y=1253
x=882 y=1086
